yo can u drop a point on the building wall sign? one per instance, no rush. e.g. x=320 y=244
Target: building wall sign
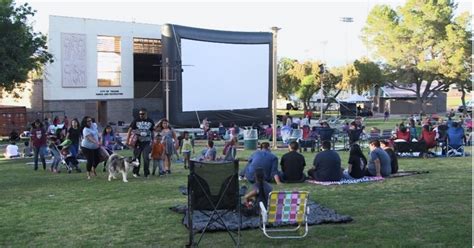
x=109 y=93
x=73 y=51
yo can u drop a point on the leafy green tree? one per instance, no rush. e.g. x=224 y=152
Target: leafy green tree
x=369 y=76
x=308 y=78
x=21 y=49
x=287 y=83
x=412 y=44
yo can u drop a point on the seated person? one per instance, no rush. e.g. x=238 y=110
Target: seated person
x=393 y=157
x=259 y=193
x=379 y=161
x=11 y=151
x=327 y=165
x=456 y=136
x=264 y=159
x=292 y=165
x=325 y=132
x=354 y=133
x=210 y=152
x=14 y=136
x=403 y=133
x=27 y=150
x=357 y=163
x=230 y=150
x=428 y=136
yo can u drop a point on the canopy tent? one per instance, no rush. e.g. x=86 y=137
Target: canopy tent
x=355 y=98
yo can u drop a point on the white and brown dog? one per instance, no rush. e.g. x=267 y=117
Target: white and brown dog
x=117 y=163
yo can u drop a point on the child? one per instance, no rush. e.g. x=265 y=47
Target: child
x=230 y=150
x=53 y=147
x=210 y=152
x=187 y=145
x=157 y=153
x=259 y=193
x=68 y=157
x=27 y=151
x=108 y=141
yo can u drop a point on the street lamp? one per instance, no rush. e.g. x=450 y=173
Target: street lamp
x=347 y=19
x=274 y=87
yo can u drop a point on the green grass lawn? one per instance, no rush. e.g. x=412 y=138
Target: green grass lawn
x=41 y=209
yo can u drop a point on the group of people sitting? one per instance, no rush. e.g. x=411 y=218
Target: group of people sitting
x=327 y=165
x=446 y=133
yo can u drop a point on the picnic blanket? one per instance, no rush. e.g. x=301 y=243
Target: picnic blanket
x=317 y=215
x=367 y=179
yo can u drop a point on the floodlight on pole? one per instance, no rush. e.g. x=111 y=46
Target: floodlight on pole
x=274 y=87
x=347 y=19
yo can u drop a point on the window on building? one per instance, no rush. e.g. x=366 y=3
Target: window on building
x=109 y=61
x=146 y=46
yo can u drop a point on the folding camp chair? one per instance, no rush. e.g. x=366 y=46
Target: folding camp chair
x=455 y=142
x=285 y=207
x=213 y=190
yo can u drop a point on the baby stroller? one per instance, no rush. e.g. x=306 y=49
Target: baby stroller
x=67 y=158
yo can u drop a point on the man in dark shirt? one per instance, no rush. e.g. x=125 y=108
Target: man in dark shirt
x=292 y=165
x=393 y=157
x=327 y=164
x=143 y=128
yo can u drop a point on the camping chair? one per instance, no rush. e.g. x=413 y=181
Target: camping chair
x=386 y=134
x=285 y=207
x=455 y=143
x=213 y=190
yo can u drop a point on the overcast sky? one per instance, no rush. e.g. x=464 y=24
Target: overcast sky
x=309 y=29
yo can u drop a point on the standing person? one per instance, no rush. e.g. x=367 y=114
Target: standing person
x=169 y=141
x=157 y=152
x=108 y=141
x=143 y=128
x=379 y=161
x=292 y=165
x=90 y=145
x=386 y=115
x=38 y=141
x=357 y=163
x=186 y=147
x=74 y=134
x=327 y=164
x=65 y=122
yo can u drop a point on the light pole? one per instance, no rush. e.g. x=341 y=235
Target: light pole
x=274 y=87
x=347 y=19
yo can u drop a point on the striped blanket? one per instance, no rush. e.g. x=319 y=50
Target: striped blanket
x=368 y=179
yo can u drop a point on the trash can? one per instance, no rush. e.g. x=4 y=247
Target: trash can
x=250 y=139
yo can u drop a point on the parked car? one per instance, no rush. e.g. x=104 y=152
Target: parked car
x=469 y=105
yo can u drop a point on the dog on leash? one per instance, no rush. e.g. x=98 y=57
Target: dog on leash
x=117 y=163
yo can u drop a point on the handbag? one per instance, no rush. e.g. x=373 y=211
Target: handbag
x=132 y=140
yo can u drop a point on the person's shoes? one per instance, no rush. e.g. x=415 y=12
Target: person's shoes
x=88 y=177
x=136 y=175
x=168 y=171
x=162 y=173
x=36 y=168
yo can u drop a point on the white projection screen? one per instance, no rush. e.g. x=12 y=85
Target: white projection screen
x=224 y=76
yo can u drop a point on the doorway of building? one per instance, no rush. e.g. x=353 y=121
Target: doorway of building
x=102 y=113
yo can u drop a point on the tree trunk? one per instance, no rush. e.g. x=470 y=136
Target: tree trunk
x=421 y=105
x=463 y=99
x=376 y=100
